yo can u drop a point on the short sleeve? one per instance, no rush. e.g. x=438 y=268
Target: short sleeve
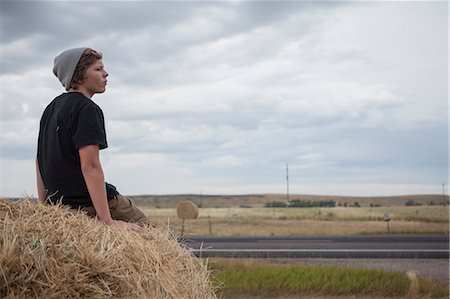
x=90 y=128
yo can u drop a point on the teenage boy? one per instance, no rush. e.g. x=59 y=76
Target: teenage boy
x=71 y=134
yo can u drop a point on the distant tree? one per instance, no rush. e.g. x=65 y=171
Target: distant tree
x=356 y=204
x=275 y=204
x=245 y=206
x=411 y=202
x=296 y=203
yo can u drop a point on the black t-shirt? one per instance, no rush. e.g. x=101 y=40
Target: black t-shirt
x=69 y=122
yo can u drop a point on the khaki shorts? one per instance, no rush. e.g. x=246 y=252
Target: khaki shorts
x=121 y=208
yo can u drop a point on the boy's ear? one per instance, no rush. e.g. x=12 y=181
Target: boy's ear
x=79 y=82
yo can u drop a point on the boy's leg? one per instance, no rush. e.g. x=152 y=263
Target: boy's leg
x=121 y=208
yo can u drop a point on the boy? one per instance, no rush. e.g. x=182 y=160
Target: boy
x=71 y=134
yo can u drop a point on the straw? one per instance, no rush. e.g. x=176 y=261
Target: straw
x=52 y=252
x=187 y=210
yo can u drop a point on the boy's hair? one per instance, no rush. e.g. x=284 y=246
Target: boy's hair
x=88 y=58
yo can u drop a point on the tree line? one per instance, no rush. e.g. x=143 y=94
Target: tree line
x=297 y=203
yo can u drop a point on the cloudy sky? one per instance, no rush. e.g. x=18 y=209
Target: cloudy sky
x=217 y=97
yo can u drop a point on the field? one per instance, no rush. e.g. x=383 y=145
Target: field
x=252 y=279
x=247 y=216
x=259 y=200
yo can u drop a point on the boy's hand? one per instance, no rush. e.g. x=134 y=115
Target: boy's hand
x=126 y=225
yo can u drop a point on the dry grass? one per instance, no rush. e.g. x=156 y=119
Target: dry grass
x=274 y=227
x=259 y=200
x=306 y=221
x=423 y=213
x=51 y=252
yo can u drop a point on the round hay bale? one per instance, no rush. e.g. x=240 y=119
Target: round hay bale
x=54 y=252
x=187 y=210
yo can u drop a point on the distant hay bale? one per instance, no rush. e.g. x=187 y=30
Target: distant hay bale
x=187 y=210
x=52 y=252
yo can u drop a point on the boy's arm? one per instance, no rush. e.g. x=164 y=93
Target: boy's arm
x=40 y=184
x=95 y=181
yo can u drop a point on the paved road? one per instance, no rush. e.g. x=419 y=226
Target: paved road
x=367 y=246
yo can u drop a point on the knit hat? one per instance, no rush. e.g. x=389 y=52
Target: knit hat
x=65 y=64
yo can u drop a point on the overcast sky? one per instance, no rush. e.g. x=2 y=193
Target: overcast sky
x=217 y=97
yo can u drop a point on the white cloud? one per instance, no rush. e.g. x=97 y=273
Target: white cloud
x=218 y=96
x=223 y=161
x=17 y=178
x=143 y=173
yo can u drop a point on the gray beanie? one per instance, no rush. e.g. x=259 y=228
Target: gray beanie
x=65 y=64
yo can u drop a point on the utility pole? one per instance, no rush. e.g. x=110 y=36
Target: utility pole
x=443 y=194
x=287 y=183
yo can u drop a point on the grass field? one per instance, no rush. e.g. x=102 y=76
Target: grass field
x=259 y=200
x=305 y=221
x=249 y=279
x=237 y=216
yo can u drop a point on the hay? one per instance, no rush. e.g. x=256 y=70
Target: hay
x=414 y=288
x=187 y=210
x=52 y=252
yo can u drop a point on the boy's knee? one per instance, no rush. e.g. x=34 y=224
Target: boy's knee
x=126 y=210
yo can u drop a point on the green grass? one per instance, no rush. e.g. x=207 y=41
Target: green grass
x=242 y=278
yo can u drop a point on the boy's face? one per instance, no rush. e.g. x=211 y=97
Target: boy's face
x=95 y=78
